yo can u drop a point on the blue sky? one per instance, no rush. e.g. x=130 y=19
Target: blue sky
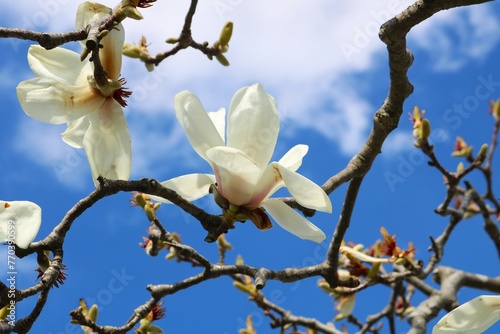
x=327 y=69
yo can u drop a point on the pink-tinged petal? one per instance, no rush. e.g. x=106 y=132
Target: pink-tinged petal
x=25 y=217
x=292 y=221
x=293 y=158
x=235 y=172
x=304 y=191
x=253 y=124
x=75 y=132
x=199 y=129
x=59 y=64
x=219 y=119
x=54 y=102
x=269 y=182
x=107 y=143
x=191 y=186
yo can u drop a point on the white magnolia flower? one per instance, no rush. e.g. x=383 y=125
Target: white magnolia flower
x=473 y=317
x=19 y=222
x=65 y=91
x=240 y=155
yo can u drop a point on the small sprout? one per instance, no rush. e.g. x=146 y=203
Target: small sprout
x=483 y=152
x=172 y=40
x=461 y=149
x=225 y=36
x=131 y=50
x=223 y=60
x=421 y=127
x=495 y=109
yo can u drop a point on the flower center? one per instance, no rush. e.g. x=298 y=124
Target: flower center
x=112 y=88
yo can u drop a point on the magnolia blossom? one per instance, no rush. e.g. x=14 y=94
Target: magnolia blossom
x=473 y=317
x=65 y=91
x=19 y=222
x=239 y=153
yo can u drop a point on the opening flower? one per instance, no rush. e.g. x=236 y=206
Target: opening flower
x=19 y=222
x=65 y=91
x=239 y=153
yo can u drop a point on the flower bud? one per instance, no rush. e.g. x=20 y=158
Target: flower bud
x=483 y=151
x=131 y=50
x=222 y=59
x=131 y=12
x=225 y=35
x=172 y=40
x=93 y=313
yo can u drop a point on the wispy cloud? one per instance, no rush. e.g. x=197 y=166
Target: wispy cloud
x=42 y=144
x=306 y=56
x=455 y=38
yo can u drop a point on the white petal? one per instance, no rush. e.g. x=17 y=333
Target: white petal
x=75 y=132
x=200 y=131
x=111 y=52
x=253 y=124
x=219 y=119
x=53 y=102
x=304 y=191
x=293 y=158
x=473 y=317
x=191 y=186
x=235 y=172
x=107 y=143
x=88 y=12
x=292 y=221
x=59 y=64
x=19 y=222
x=269 y=182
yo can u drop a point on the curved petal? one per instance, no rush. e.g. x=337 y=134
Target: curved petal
x=293 y=222
x=54 y=102
x=475 y=316
x=304 y=191
x=190 y=186
x=235 y=172
x=25 y=216
x=59 y=64
x=107 y=143
x=111 y=52
x=219 y=119
x=88 y=12
x=74 y=134
x=253 y=124
x=269 y=182
x=293 y=158
x=200 y=131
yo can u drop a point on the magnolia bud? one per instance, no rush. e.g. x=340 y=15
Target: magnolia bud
x=131 y=50
x=222 y=59
x=225 y=34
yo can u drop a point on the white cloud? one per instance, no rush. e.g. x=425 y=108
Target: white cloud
x=397 y=142
x=43 y=145
x=455 y=38
x=305 y=55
